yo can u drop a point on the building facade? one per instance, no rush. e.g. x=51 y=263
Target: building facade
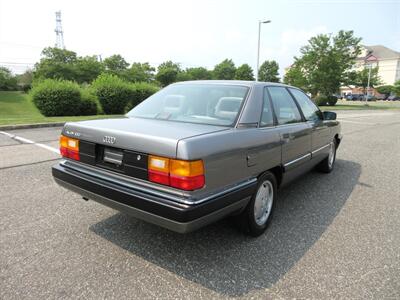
x=387 y=61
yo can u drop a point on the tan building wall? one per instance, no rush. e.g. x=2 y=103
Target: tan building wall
x=389 y=67
x=389 y=70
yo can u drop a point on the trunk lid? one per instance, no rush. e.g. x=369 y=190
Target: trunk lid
x=150 y=136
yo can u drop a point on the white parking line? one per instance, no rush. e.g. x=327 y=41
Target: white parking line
x=364 y=114
x=26 y=141
x=356 y=122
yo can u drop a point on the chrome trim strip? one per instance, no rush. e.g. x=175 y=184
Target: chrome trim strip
x=321 y=148
x=297 y=160
x=228 y=190
x=146 y=187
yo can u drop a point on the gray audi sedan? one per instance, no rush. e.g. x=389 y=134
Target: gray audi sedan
x=199 y=151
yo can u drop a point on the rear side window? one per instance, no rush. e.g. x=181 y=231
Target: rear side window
x=310 y=110
x=284 y=106
x=267 y=118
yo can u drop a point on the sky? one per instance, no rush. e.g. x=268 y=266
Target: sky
x=191 y=32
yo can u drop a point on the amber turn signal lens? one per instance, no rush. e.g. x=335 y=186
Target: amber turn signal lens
x=186 y=168
x=69 y=147
x=180 y=174
x=63 y=141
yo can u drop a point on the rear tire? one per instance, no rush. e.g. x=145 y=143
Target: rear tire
x=327 y=165
x=256 y=217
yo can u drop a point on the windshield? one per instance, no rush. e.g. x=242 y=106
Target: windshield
x=212 y=104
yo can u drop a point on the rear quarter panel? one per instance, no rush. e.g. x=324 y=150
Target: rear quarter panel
x=233 y=156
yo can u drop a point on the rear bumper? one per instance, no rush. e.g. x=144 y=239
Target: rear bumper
x=175 y=216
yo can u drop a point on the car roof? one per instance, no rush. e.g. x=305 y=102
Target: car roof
x=233 y=82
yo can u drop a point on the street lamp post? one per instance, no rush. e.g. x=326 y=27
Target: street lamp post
x=369 y=79
x=258 y=49
x=369 y=61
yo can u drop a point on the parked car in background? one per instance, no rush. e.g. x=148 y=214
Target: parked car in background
x=369 y=98
x=354 y=97
x=382 y=97
x=393 y=98
x=196 y=152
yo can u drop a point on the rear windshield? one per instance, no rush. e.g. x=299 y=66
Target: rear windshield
x=212 y=104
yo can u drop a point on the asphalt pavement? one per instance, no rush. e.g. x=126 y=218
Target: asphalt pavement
x=333 y=235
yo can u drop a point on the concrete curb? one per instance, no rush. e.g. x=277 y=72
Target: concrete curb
x=29 y=126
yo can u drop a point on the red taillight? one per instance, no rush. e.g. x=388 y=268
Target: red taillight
x=187 y=183
x=69 y=148
x=181 y=174
x=73 y=155
x=64 y=152
x=159 y=177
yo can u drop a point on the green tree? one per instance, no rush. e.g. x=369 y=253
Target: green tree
x=225 y=70
x=244 y=72
x=295 y=76
x=269 y=71
x=8 y=82
x=327 y=60
x=56 y=64
x=361 y=78
x=24 y=80
x=183 y=76
x=59 y=55
x=167 y=73
x=87 y=69
x=396 y=88
x=141 y=72
x=385 y=89
x=198 y=73
x=116 y=65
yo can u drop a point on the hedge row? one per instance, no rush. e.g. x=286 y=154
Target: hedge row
x=116 y=95
x=108 y=94
x=323 y=100
x=62 y=98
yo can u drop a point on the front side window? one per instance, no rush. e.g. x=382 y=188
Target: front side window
x=211 y=104
x=284 y=106
x=309 y=109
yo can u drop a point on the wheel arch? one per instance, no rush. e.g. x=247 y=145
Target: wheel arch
x=278 y=173
x=337 y=139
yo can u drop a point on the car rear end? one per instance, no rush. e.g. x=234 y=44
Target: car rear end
x=131 y=165
x=153 y=188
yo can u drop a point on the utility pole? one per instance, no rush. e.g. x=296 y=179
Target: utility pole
x=59 y=32
x=258 y=48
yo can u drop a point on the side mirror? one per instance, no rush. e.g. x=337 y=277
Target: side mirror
x=329 y=115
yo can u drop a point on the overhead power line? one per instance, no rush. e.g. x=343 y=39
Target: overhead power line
x=15 y=63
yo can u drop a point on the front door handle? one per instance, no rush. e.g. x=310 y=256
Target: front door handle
x=286 y=137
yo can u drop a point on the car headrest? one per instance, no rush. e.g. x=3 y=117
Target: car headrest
x=228 y=107
x=173 y=103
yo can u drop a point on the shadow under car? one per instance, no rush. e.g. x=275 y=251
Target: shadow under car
x=222 y=259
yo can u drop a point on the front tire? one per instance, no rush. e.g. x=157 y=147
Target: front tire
x=326 y=166
x=255 y=219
